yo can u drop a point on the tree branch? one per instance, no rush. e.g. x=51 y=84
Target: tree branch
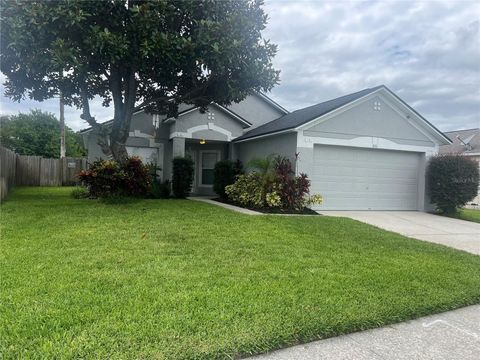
x=100 y=130
x=86 y=109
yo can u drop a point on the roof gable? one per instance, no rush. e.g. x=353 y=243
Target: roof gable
x=303 y=118
x=373 y=116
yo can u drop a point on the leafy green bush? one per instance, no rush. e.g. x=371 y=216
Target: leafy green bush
x=452 y=181
x=274 y=185
x=80 y=192
x=160 y=189
x=224 y=174
x=182 y=178
x=107 y=178
x=137 y=180
x=248 y=191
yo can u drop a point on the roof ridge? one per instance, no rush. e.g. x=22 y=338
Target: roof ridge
x=340 y=97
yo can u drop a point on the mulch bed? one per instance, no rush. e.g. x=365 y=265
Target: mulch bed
x=306 y=211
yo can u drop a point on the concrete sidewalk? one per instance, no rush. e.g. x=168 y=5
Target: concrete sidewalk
x=459 y=234
x=450 y=335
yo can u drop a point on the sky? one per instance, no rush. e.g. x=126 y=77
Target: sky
x=427 y=52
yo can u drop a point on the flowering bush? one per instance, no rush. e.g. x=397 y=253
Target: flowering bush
x=273 y=199
x=247 y=190
x=106 y=178
x=275 y=187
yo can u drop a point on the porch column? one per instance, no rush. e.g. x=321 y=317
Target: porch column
x=178 y=147
x=232 y=153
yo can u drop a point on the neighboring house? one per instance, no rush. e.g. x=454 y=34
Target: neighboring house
x=363 y=151
x=464 y=142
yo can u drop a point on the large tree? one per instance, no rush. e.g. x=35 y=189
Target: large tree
x=38 y=133
x=154 y=54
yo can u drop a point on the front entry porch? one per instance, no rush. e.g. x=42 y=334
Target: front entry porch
x=205 y=154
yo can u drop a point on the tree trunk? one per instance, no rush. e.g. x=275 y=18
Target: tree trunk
x=62 y=127
x=124 y=104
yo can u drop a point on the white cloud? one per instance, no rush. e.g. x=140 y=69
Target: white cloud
x=427 y=52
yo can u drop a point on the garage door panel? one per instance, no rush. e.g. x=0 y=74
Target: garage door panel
x=344 y=187
x=354 y=166
x=365 y=179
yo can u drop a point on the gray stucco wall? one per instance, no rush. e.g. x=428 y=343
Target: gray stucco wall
x=142 y=134
x=284 y=145
x=255 y=110
x=363 y=120
x=220 y=119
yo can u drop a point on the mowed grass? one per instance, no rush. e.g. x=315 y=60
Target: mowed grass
x=468 y=214
x=178 y=279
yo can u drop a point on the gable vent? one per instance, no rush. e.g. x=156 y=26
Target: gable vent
x=377 y=105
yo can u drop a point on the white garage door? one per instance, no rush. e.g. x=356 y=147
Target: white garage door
x=365 y=179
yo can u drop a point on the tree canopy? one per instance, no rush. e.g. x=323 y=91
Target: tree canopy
x=38 y=133
x=154 y=54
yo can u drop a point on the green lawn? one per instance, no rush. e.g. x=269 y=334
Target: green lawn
x=468 y=214
x=170 y=279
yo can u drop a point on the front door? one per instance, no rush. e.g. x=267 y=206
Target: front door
x=207 y=161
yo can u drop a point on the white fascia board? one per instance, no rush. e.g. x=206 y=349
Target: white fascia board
x=271 y=102
x=366 y=142
x=337 y=111
x=232 y=114
x=417 y=122
x=222 y=108
x=266 y=135
x=172 y=119
x=443 y=139
x=440 y=138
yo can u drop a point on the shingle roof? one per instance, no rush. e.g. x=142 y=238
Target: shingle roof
x=302 y=116
x=469 y=136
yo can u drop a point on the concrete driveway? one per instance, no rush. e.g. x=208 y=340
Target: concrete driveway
x=459 y=234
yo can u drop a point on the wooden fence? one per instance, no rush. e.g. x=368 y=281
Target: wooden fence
x=26 y=170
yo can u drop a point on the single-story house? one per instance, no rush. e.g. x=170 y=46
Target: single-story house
x=467 y=143
x=362 y=151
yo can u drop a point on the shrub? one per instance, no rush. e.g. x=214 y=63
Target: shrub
x=238 y=167
x=137 y=180
x=275 y=185
x=79 y=192
x=160 y=189
x=224 y=174
x=182 y=178
x=103 y=178
x=452 y=181
x=248 y=190
x=107 y=178
x=292 y=190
